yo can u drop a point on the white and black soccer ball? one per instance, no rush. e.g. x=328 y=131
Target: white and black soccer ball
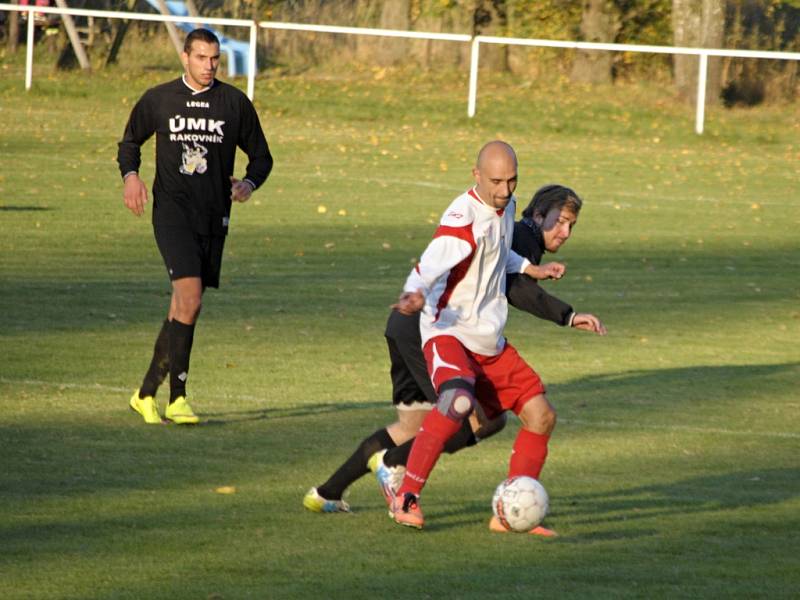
x=520 y=503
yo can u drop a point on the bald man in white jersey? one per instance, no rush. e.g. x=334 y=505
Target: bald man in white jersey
x=459 y=285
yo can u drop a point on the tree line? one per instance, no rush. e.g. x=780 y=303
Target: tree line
x=741 y=24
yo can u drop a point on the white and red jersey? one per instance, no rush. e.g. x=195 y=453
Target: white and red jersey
x=462 y=274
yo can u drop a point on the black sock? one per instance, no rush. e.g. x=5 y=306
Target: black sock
x=180 y=349
x=398 y=456
x=355 y=466
x=463 y=438
x=159 y=365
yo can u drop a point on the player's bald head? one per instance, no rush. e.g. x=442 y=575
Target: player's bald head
x=495 y=174
x=496 y=151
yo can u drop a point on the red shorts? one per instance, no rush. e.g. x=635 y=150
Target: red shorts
x=502 y=382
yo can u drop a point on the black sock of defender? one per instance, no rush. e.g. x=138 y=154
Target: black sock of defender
x=181 y=336
x=463 y=438
x=159 y=364
x=398 y=456
x=355 y=466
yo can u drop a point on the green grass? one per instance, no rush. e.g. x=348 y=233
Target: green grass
x=673 y=471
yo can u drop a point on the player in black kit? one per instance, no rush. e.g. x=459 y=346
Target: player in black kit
x=198 y=122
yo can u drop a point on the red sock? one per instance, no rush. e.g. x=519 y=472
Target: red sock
x=435 y=431
x=529 y=454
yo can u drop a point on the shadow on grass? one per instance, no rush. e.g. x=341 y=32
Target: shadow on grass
x=260 y=414
x=712 y=494
x=705 y=388
x=663 y=285
x=706 y=383
x=694 y=496
x=70 y=457
x=18 y=208
x=665 y=389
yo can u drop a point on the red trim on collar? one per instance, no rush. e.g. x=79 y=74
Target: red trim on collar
x=472 y=193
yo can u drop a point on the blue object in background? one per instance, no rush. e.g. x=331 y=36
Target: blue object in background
x=236 y=51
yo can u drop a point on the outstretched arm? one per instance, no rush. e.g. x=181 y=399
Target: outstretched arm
x=588 y=322
x=553 y=270
x=518 y=264
x=525 y=294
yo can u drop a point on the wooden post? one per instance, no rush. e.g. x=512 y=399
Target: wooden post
x=120 y=35
x=74 y=38
x=13 y=29
x=192 y=8
x=173 y=31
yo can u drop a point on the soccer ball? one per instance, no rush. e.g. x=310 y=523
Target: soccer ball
x=520 y=503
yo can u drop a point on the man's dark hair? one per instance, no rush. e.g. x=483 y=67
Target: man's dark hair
x=203 y=35
x=552 y=196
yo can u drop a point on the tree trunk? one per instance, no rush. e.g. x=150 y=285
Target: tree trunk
x=13 y=29
x=119 y=36
x=490 y=17
x=436 y=54
x=395 y=14
x=600 y=23
x=698 y=24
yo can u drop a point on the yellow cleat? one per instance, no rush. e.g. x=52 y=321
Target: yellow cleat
x=180 y=413
x=316 y=503
x=147 y=407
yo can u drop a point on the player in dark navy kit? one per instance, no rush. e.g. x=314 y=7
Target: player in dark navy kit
x=545 y=225
x=198 y=122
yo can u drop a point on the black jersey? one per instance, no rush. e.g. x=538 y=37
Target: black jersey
x=524 y=292
x=196 y=138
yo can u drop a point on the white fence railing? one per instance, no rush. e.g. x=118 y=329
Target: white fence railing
x=475 y=41
x=419 y=35
x=80 y=12
x=702 y=53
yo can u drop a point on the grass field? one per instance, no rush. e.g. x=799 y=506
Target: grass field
x=675 y=467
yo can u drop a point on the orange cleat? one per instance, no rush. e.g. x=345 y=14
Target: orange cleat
x=405 y=510
x=496 y=526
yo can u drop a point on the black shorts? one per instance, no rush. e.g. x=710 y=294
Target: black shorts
x=411 y=383
x=188 y=254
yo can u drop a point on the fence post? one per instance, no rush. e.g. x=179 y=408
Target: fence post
x=171 y=29
x=251 y=61
x=701 y=93
x=74 y=37
x=29 y=53
x=473 y=77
